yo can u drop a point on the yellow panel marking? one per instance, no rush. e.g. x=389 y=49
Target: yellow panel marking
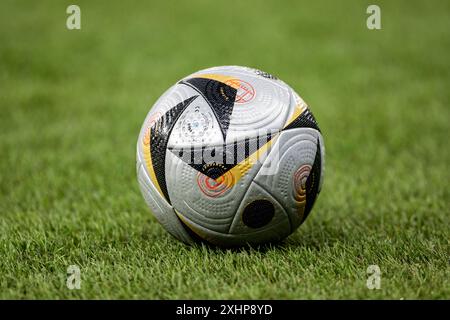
x=148 y=160
x=245 y=165
x=297 y=112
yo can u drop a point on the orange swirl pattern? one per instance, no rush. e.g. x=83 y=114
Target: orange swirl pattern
x=300 y=177
x=214 y=188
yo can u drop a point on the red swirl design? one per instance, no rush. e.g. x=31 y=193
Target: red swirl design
x=214 y=188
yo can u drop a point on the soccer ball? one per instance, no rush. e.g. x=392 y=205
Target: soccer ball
x=230 y=156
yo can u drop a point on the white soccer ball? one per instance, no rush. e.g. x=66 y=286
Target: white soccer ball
x=230 y=156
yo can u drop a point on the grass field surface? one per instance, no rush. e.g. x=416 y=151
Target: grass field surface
x=72 y=103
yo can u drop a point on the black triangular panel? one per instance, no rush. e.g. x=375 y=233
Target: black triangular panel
x=159 y=137
x=304 y=120
x=226 y=156
x=313 y=182
x=219 y=96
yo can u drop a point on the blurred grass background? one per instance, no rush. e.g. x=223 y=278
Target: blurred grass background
x=72 y=103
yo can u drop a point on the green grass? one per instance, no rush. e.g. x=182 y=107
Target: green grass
x=72 y=103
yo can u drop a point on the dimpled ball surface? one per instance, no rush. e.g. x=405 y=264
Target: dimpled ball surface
x=230 y=156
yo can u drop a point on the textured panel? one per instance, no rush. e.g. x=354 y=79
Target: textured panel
x=291 y=162
x=279 y=220
x=304 y=120
x=163 y=212
x=220 y=97
x=188 y=197
x=210 y=203
x=197 y=126
x=258 y=213
x=159 y=137
x=216 y=160
x=313 y=182
x=262 y=101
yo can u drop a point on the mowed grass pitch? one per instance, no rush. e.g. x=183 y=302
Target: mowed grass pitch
x=72 y=103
